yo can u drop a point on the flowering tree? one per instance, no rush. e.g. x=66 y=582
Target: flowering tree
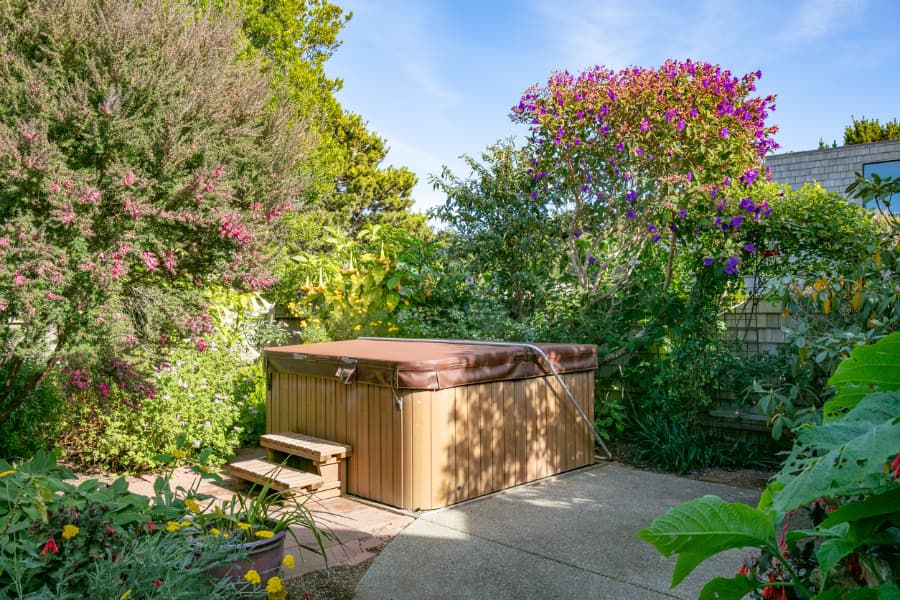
x=141 y=157
x=666 y=156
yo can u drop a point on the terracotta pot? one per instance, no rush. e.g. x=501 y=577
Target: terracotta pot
x=263 y=555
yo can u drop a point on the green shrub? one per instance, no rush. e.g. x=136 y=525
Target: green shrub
x=679 y=447
x=842 y=478
x=36 y=422
x=211 y=395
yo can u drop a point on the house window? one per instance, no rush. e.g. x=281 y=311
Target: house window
x=889 y=168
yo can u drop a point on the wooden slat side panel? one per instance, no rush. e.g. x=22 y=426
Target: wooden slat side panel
x=498 y=456
x=374 y=409
x=572 y=421
x=555 y=426
x=592 y=390
x=340 y=413
x=531 y=471
x=353 y=439
x=508 y=398
x=364 y=441
x=407 y=417
x=270 y=401
x=397 y=448
x=321 y=394
x=385 y=408
x=290 y=404
x=544 y=394
x=331 y=409
x=521 y=418
x=462 y=445
x=421 y=451
x=441 y=450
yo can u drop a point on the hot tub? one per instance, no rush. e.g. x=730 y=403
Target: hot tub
x=433 y=423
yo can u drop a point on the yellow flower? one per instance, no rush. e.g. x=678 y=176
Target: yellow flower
x=214 y=532
x=253 y=577
x=244 y=526
x=288 y=561
x=275 y=587
x=5 y=473
x=125 y=595
x=192 y=506
x=69 y=531
x=264 y=533
x=179 y=454
x=172 y=526
x=185 y=523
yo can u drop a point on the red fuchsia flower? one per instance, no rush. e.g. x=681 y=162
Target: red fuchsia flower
x=50 y=546
x=158 y=583
x=895 y=467
x=109 y=529
x=150 y=526
x=744 y=570
x=782 y=540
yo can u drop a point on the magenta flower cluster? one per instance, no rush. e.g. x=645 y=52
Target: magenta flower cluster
x=642 y=148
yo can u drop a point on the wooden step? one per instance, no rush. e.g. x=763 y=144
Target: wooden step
x=278 y=477
x=307 y=446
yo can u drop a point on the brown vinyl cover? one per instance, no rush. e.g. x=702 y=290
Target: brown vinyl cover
x=424 y=365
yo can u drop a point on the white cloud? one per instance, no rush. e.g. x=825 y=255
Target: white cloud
x=815 y=19
x=428 y=82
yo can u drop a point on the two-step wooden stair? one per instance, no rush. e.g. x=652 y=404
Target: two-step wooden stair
x=318 y=467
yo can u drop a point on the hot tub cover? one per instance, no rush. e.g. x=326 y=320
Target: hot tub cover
x=425 y=365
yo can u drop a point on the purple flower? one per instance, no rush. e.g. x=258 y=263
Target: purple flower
x=638 y=151
x=469 y=281
x=733 y=264
x=689 y=176
x=694 y=112
x=681 y=125
x=620 y=146
x=630 y=214
x=580 y=113
x=707 y=262
x=749 y=176
x=645 y=124
x=651 y=228
x=682 y=213
x=724 y=133
x=736 y=221
x=591 y=260
x=749 y=247
x=534 y=195
x=655 y=238
x=631 y=196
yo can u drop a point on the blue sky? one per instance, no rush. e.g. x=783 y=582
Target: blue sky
x=436 y=78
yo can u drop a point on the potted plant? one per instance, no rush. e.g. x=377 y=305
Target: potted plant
x=255 y=523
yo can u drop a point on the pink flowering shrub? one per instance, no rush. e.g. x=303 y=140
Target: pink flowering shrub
x=140 y=160
x=665 y=156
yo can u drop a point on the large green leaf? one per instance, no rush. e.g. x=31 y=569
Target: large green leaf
x=703 y=527
x=842 y=458
x=873 y=506
x=735 y=588
x=872 y=368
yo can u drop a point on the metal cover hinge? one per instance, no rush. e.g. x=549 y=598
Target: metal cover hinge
x=346 y=370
